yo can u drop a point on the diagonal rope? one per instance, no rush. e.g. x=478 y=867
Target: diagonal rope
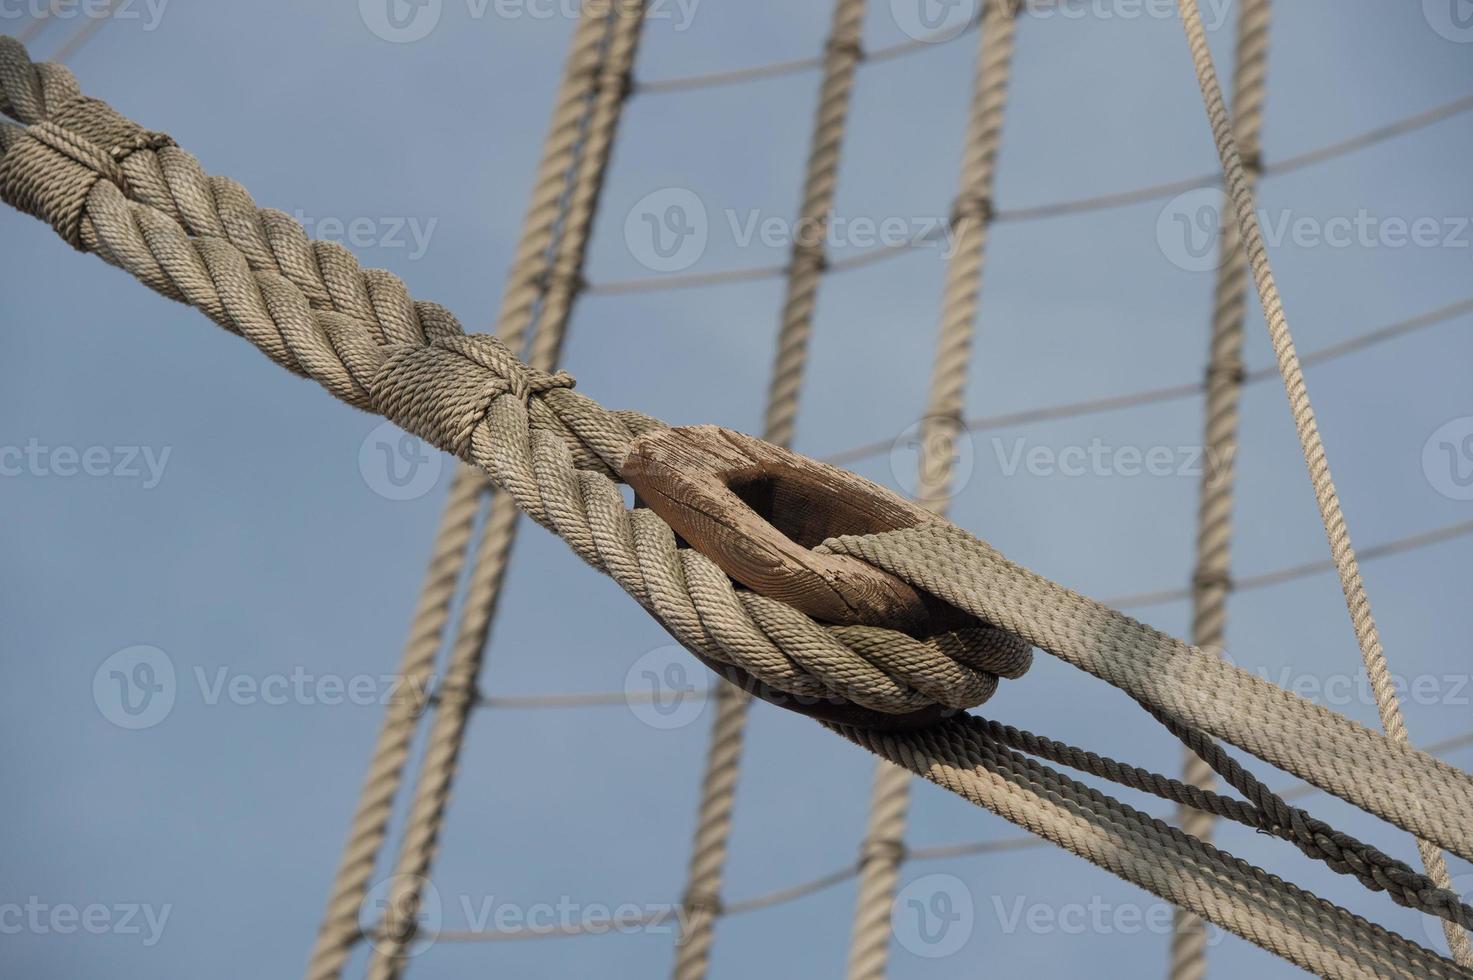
x=1241 y=190
x=1211 y=579
x=340 y=927
x=608 y=81
x=883 y=849
x=702 y=898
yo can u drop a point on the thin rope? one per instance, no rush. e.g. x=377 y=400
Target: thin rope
x=340 y=927
x=1211 y=579
x=607 y=78
x=1038 y=212
x=1241 y=190
x=819 y=883
x=718 y=786
x=883 y=847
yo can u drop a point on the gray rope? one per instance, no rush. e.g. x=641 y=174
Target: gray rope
x=728 y=726
x=1358 y=604
x=883 y=847
x=1211 y=578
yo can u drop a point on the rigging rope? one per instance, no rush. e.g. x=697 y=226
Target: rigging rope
x=971 y=216
x=607 y=81
x=1240 y=188
x=341 y=927
x=841 y=56
x=1212 y=576
x=111 y=188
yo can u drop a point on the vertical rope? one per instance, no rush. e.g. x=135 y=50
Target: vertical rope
x=842 y=54
x=971 y=217
x=1211 y=579
x=340 y=927
x=558 y=288
x=1240 y=189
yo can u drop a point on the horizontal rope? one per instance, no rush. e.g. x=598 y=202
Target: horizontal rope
x=1155 y=192
x=1177 y=392
x=818 y=883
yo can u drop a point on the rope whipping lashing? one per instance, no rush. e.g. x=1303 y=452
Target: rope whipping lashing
x=130 y=196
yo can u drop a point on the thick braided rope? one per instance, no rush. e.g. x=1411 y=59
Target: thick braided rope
x=961 y=756
x=340 y=927
x=971 y=218
x=1201 y=690
x=1241 y=191
x=608 y=87
x=1211 y=579
x=728 y=726
x=411 y=362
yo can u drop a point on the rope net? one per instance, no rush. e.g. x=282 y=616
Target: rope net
x=132 y=197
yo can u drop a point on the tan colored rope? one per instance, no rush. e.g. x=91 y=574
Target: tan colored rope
x=971 y=215
x=552 y=451
x=1212 y=576
x=1241 y=191
x=841 y=56
x=340 y=927
x=605 y=76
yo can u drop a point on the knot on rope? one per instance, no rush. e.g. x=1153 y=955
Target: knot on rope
x=886 y=849
x=442 y=390
x=49 y=168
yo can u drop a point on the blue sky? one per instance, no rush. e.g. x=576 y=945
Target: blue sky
x=237 y=524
